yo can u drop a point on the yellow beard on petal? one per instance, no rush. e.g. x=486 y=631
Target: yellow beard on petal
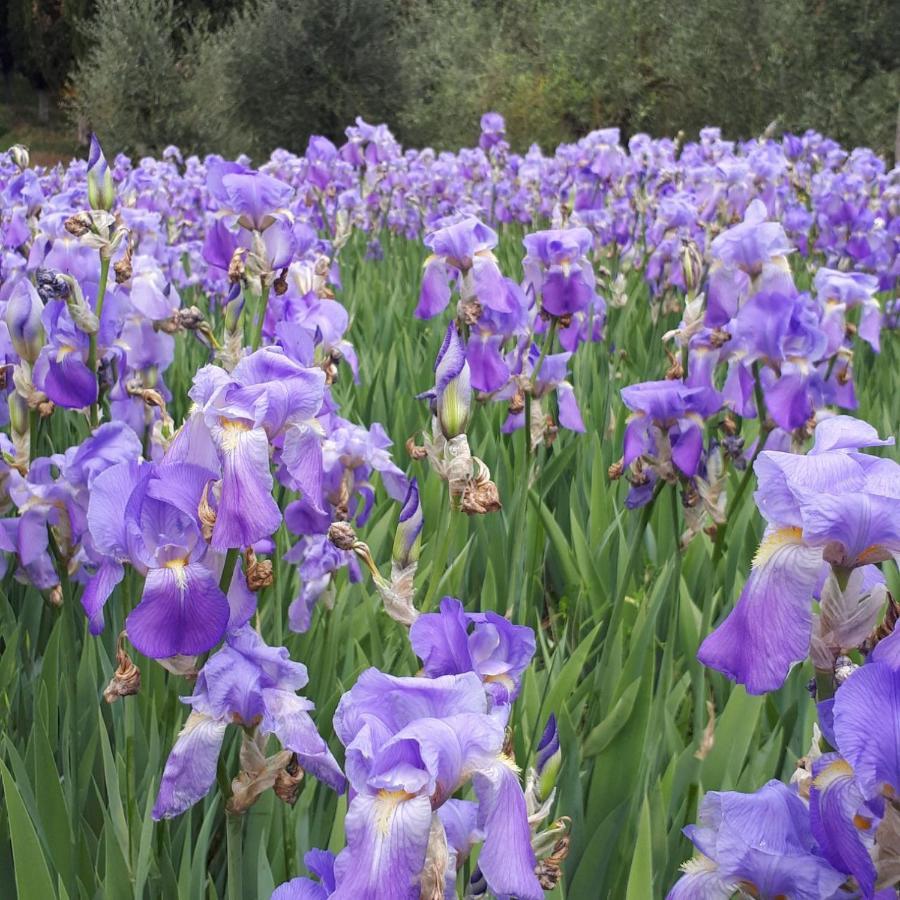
x=232 y=429
x=775 y=541
x=386 y=803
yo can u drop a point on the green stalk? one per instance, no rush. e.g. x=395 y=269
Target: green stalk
x=545 y=349
x=439 y=563
x=764 y=429
x=228 y=569
x=92 y=340
x=234 y=836
x=630 y=566
x=256 y=337
x=34 y=422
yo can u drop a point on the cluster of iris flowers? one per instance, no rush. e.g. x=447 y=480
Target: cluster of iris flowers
x=95 y=261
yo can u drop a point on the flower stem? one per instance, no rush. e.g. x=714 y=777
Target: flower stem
x=545 y=349
x=256 y=337
x=234 y=836
x=228 y=569
x=34 y=421
x=92 y=340
x=634 y=553
x=764 y=429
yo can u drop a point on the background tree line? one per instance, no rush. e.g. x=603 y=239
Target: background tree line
x=251 y=76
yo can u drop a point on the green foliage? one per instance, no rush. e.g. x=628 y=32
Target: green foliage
x=129 y=86
x=283 y=69
x=268 y=74
x=619 y=615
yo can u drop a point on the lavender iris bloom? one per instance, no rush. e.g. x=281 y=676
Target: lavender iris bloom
x=834 y=506
x=252 y=685
x=268 y=398
x=783 y=332
x=747 y=258
x=147 y=515
x=452 y=641
x=666 y=423
x=411 y=743
x=462 y=250
x=558 y=271
x=841 y=291
x=760 y=843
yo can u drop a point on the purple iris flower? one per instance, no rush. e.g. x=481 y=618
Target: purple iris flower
x=411 y=743
x=834 y=506
x=452 y=641
x=317 y=559
x=55 y=495
x=747 y=258
x=147 y=515
x=250 y=684
x=665 y=423
x=760 y=843
x=493 y=131
x=557 y=270
x=461 y=251
x=267 y=399
x=784 y=333
x=840 y=291
x=552 y=376
x=350 y=455
x=61 y=369
x=490 y=371
x=253 y=197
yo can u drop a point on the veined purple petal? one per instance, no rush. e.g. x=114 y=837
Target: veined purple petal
x=286 y=716
x=387 y=835
x=247 y=511
x=97 y=591
x=769 y=628
x=182 y=611
x=866 y=709
x=846 y=433
x=835 y=800
x=506 y=859
x=191 y=767
x=435 y=293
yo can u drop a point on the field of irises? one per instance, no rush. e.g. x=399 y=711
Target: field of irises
x=384 y=523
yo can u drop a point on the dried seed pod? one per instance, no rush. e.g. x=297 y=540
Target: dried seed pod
x=126 y=680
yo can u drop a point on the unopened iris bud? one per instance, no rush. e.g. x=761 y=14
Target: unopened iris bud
x=18 y=413
x=23 y=319
x=408 y=539
x=233 y=310
x=453 y=386
x=691 y=265
x=101 y=190
x=20 y=156
x=548 y=758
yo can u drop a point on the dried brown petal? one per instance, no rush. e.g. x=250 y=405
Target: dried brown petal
x=126 y=680
x=288 y=780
